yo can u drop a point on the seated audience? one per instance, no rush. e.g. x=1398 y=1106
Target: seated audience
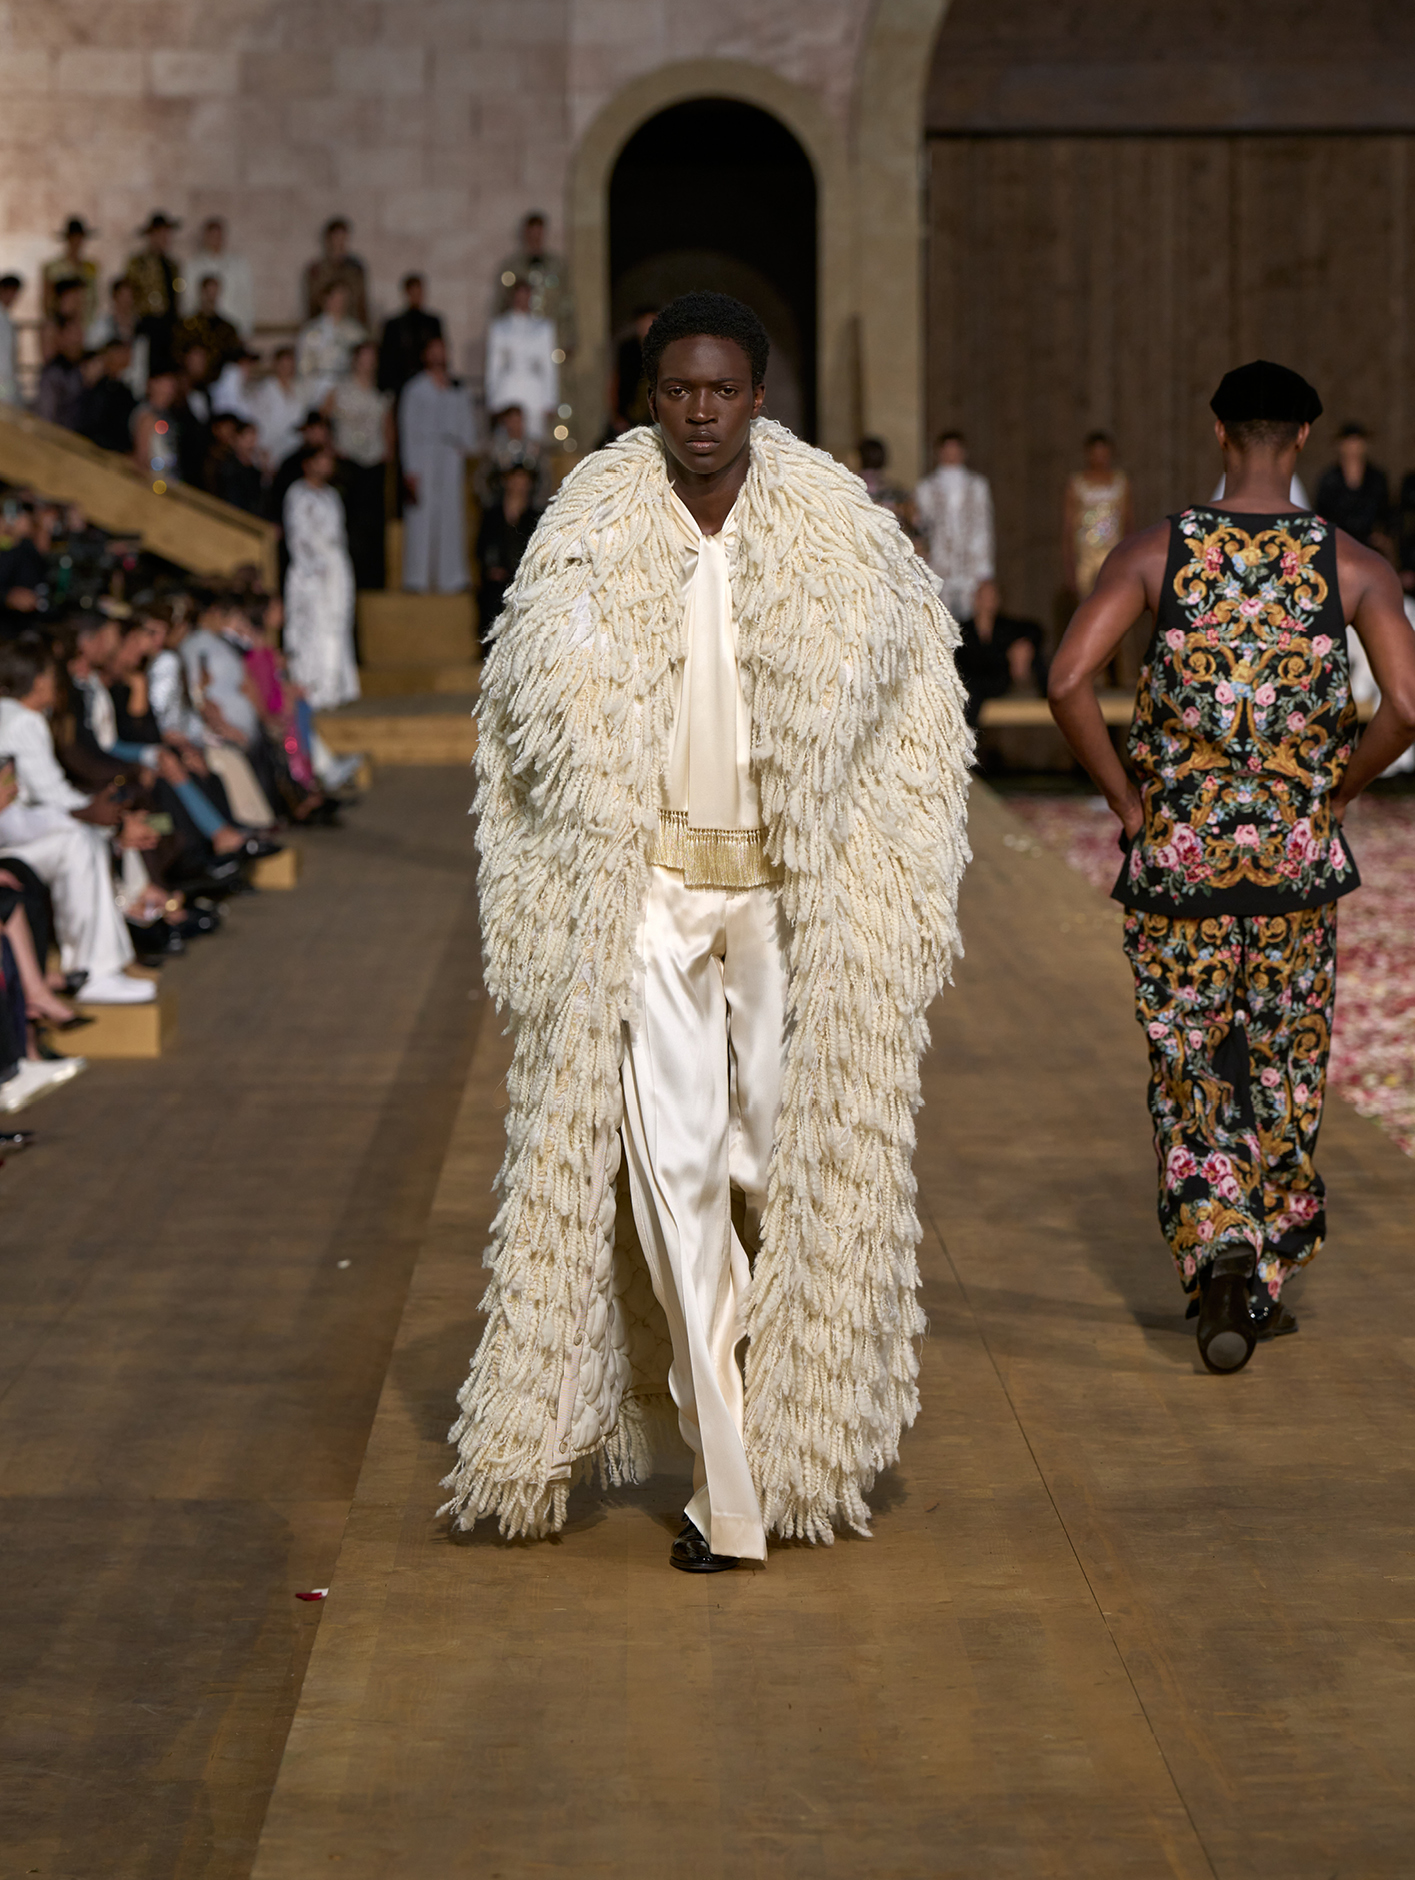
x=65 y=834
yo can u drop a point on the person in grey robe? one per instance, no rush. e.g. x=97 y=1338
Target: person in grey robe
x=436 y=430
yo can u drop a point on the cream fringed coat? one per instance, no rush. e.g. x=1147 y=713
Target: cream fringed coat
x=860 y=752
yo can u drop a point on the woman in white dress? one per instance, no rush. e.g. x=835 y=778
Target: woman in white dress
x=319 y=589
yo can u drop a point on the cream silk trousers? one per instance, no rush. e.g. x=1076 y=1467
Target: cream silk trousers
x=702 y=1085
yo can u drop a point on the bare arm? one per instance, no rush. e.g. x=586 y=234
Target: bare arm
x=1373 y=602
x=1129 y=582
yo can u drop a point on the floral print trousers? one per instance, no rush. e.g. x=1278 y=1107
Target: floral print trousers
x=1237 y=1011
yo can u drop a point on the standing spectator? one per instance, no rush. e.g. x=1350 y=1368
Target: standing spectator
x=520 y=363
x=207 y=328
x=155 y=294
x=157 y=432
x=61 y=383
x=400 y=353
x=435 y=432
x=10 y=288
x=327 y=343
x=509 y=448
x=121 y=322
x=319 y=589
x=238 y=478
x=105 y=414
x=1354 y=494
x=506 y=528
x=874 y=474
x=278 y=405
x=954 y=507
x=234 y=386
x=1097 y=514
x=549 y=281
x=66 y=304
x=363 y=438
x=236 y=294
x=72 y=264
x=629 y=389
x=193 y=412
x=315 y=431
x=336 y=264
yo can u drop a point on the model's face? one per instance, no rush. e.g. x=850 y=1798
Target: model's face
x=704 y=402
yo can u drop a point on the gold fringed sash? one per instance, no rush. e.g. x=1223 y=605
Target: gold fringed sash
x=712 y=858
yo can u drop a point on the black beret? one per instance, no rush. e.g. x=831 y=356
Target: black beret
x=1262 y=390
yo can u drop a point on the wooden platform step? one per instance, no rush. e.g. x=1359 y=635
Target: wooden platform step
x=437 y=737
x=122 y=1031
x=459 y=676
x=416 y=629
x=276 y=871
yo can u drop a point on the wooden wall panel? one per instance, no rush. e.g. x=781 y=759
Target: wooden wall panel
x=1109 y=281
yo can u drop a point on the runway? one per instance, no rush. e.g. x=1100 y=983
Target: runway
x=1119 y=1618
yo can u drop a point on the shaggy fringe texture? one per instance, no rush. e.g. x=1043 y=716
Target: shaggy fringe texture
x=861 y=760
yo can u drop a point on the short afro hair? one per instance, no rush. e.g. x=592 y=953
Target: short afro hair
x=718 y=316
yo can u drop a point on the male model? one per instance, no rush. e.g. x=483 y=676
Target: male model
x=722 y=794
x=1242 y=764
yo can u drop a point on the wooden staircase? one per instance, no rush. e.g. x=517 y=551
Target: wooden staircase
x=417 y=643
x=186 y=526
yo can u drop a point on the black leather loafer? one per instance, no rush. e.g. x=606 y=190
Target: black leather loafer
x=690 y=1553
x=1227 y=1334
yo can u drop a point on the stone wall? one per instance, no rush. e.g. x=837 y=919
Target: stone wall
x=432 y=124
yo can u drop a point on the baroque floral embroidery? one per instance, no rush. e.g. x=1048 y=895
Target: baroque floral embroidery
x=1237 y=1013
x=1243 y=722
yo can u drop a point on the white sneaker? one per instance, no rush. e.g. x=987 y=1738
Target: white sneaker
x=117 y=989
x=35 y=1078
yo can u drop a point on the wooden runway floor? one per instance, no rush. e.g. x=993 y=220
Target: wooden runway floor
x=187 y=1373
x=1119 y=1618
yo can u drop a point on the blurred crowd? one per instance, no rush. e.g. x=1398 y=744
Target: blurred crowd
x=151 y=752
x=329 y=434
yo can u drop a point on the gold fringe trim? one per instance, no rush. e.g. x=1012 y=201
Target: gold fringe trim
x=712 y=858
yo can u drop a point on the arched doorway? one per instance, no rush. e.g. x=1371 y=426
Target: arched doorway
x=716 y=193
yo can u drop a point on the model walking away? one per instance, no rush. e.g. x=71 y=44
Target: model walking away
x=1243 y=761
x=722 y=787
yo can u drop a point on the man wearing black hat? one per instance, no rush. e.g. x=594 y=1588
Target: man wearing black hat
x=72 y=264
x=1243 y=760
x=157 y=289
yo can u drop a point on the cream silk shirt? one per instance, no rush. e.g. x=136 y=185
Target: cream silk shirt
x=712 y=827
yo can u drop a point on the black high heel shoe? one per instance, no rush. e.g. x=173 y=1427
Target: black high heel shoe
x=1227 y=1334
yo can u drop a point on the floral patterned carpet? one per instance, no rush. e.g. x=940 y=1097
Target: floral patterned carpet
x=1373 y=1051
